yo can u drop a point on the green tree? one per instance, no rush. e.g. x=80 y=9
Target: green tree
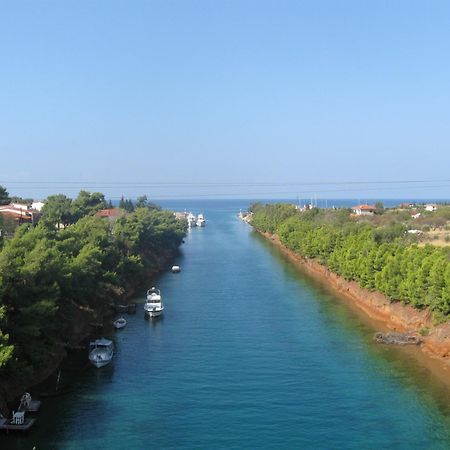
x=57 y=211
x=4 y=196
x=141 y=201
x=87 y=204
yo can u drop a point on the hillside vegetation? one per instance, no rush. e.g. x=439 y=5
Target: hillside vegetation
x=377 y=253
x=72 y=261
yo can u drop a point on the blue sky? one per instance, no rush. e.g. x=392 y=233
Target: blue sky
x=224 y=92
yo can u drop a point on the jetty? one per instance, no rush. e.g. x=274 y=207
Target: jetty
x=17 y=423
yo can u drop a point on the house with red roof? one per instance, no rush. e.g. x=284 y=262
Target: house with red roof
x=364 y=210
x=20 y=213
x=110 y=213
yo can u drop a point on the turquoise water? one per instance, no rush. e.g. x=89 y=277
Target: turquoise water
x=250 y=354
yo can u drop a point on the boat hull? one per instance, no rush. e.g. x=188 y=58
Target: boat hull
x=154 y=313
x=118 y=324
x=100 y=364
x=100 y=358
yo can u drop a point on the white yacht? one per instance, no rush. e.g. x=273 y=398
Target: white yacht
x=153 y=306
x=192 y=221
x=176 y=269
x=201 y=222
x=101 y=352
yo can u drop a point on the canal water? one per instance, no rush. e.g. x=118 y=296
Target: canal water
x=250 y=354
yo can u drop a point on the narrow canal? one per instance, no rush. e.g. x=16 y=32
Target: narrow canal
x=249 y=355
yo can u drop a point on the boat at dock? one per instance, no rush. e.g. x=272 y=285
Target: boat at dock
x=153 y=306
x=201 y=222
x=191 y=220
x=101 y=352
x=176 y=269
x=119 y=323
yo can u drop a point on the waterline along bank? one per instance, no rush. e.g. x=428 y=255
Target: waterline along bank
x=325 y=244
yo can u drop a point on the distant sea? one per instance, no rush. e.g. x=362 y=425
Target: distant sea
x=181 y=204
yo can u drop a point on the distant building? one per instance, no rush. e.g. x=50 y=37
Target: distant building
x=20 y=213
x=430 y=207
x=110 y=213
x=364 y=210
x=416 y=215
x=406 y=205
x=180 y=215
x=37 y=205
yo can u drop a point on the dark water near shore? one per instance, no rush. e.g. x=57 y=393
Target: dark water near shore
x=250 y=354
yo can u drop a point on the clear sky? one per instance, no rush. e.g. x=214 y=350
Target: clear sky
x=224 y=92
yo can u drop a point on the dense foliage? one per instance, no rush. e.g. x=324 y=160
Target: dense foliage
x=61 y=211
x=48 y=275
x=4 y=196
x=383 y=258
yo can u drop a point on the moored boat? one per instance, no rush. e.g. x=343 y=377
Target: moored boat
x=191 y=220
x=201 y=222
x=101 y=352
x=176 y=269
x=119 y=323
x=153 y=306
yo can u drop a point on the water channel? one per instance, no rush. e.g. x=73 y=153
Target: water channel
x=250 y=354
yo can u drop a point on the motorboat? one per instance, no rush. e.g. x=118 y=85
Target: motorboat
x=153 y=306
x=176 y=269
x=201 y=222
x=101 y=352
x=119 y=323
x=191 y=220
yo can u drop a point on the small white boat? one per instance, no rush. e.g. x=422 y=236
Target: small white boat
x=101 y=352
x=176 y=269
x=201 y=222
x=119 y=323
x=153 y=306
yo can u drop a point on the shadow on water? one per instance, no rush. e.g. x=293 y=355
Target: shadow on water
x=406 y=365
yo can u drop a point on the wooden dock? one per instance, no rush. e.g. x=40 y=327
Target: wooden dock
x=8 y=425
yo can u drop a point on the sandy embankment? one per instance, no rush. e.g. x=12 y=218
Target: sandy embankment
x=391 y=315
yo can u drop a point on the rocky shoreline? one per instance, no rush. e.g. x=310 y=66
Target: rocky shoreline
x=396 y=316
x=11 y=390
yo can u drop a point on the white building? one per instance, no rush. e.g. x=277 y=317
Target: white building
x=37 y=205
x=364 y=210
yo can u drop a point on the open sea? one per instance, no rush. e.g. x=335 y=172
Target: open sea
x=250 y=354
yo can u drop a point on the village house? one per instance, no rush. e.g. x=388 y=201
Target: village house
x=364 y=210
x=430 y=207
x=110 y=213
x=37 y=205
x=20 y=213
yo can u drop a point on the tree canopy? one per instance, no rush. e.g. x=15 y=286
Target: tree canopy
x=50 y=277
x=383 y=258
x=4 y=196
